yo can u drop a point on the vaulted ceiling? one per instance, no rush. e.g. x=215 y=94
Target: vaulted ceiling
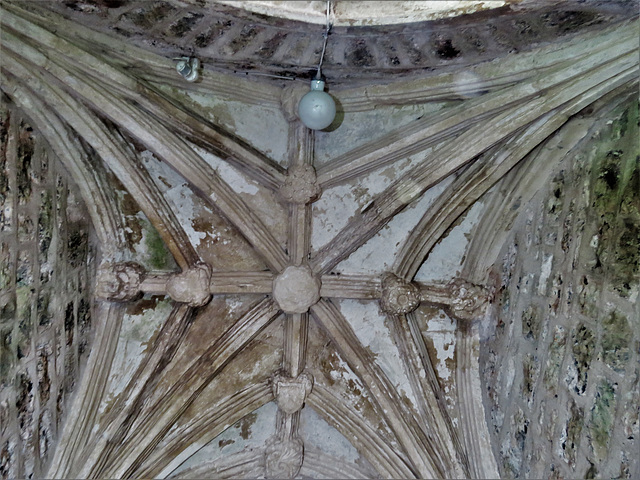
x=313 y=275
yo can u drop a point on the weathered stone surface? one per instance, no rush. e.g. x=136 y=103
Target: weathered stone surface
x=398 y=296
x=300 y=185
x=119 y=281
x=290 y=393
x=283 y=458
x=296 y=289
x=191 y=286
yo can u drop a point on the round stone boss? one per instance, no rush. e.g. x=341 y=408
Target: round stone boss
x=296 y=289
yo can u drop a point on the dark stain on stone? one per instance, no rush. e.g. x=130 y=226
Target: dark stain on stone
x=224 y=443
x=573 y=430
x=69 y=322
x=245 y=425
x=446 y=50
x=569 y=21
x=583 y=349
x=616 y=333
x=26 y=146
x=44 y=381
x=183 y=26
x=247 y=34
x=151 y=15
x=359 y=55
x=531 y=322
x=269 y=47
x=611 y=170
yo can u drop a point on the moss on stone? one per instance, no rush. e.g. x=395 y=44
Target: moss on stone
x=602 y=419
x=45 y=223
x=573 y=430
x=531 y=323
x=616 y=333
x=159 y=257
x=554 y=358
x=584 y=341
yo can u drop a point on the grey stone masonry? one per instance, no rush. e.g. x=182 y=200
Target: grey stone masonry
x=46 y=263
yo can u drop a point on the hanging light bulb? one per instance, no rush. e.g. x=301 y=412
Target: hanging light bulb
x=317 y=109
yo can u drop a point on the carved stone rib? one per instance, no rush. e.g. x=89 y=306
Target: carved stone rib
x=613 y=69
x=116 y=153
x=84 y=410
x=177 y=446
x=434 y=417
x=431 y=380
x=523 y=181
x=103 y=209
x=244 y=464
x=115 y=425
x=477 y=79
x=473 y=426
x=175 y=115
x=423 y=133
x=477 y=179
x=241 y=282
x=167 y=146
x=295 y=343
x=366 y=287
x=155 y=420
x=145 y=64
x=410 y=436
x=184 y=121
x=362 y=436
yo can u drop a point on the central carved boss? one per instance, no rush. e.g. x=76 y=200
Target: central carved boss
x=296 y=289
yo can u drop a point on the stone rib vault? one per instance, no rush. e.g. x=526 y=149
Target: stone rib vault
x=319 y=300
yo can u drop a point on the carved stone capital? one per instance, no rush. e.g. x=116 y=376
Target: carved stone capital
x=191 y=286
x=291 y=393
x=468 y=300
x=119 y=282
x=398 y=296
x=283 y=457
x=301 y=185
x=296 y=289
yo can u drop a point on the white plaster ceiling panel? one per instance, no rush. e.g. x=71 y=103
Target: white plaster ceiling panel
x=138 y=330
x=250 y=433
x=358 y=128
x=247 y=122
x=205 y=228
x=444 y=262
x=378 y=254
x=371 y=326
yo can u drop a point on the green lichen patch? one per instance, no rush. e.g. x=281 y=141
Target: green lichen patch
x=602 y=419
x=625 y=265
x=531 y=323
x=23 y=163
x=45 y=223
x=159 y=257
x=616 y=333
x=584 y=341
x=530 y=373
x=554 y=358
x=573 y=429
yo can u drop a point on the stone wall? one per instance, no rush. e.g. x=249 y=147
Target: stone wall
x=46 y=263
x=561 y=369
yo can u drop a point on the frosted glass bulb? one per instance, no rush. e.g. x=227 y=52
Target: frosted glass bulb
x=317 y=109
